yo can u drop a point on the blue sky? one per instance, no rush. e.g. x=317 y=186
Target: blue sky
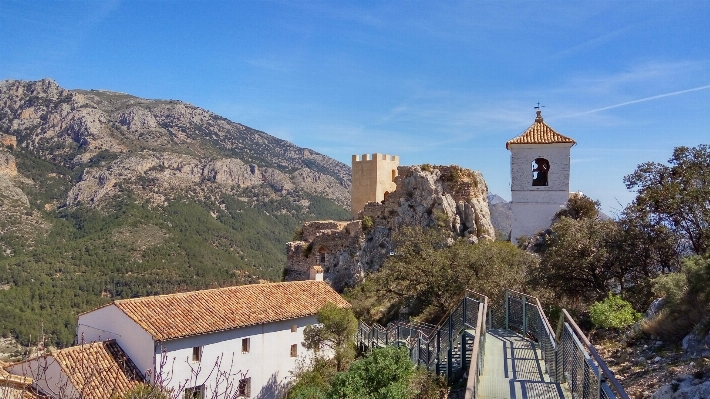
x=434 y=82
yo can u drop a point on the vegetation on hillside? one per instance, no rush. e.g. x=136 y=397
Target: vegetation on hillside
x=384 y=373
x=129 y=247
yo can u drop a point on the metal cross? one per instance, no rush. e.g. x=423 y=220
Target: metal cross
x=539 y=106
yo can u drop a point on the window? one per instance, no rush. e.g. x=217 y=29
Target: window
x=197 y=354
x=245 y=387
x=394 y=174
x=245 y=345
x=294 y=328
x=540 y=167
x=294 y=350
x=195 y=392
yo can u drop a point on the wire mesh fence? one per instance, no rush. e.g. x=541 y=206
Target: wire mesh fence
x=441 y=348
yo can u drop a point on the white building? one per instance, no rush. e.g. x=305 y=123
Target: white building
x=198 y=342
x=540 y=171
x=99 y=370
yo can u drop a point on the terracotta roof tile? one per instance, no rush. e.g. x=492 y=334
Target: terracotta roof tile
x=98 y=370
x=539 y=133
x=15 y=386
x=173 y=316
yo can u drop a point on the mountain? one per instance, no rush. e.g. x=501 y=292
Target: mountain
x=105 y=195
x=501 y=214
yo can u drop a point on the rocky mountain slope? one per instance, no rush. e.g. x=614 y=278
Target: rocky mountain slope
x=447 y=197
x=106 y=195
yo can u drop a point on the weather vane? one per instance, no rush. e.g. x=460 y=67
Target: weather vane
x=539 y=106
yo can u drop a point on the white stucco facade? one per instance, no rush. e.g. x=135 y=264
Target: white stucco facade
x=534 y=206
x=109 y=322
x=47 y=375
x=267 y=362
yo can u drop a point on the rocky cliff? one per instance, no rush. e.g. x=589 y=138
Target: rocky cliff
x=447 y=197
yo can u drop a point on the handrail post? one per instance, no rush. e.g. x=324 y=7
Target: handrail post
x=525 y=318
x=464 y=310
x=507 y=315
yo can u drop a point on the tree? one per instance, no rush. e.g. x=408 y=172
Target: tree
x=335 y=331
x=579 y=206
x=430 y=270
x=385 y=373
x=677 y=196
x=576 y=259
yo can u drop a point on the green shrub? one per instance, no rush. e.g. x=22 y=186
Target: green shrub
x=367 y=223
x=613 y=312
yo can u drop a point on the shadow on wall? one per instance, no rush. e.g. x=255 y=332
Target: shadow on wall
x=273 y=388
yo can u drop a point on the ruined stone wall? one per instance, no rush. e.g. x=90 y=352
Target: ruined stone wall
x=330 y=245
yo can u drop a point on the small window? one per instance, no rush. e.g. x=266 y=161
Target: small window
x=394 y=174
x=245 y=387
x=294 y=328
x=195 y=392
x=245 y=345
x=294 y=350
x=197 y=354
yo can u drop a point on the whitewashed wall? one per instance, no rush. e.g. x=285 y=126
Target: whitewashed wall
x=268 y=362
x=534 y=206
x=110 y=322
x=47 y=375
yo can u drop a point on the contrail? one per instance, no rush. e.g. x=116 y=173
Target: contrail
x=675 y=93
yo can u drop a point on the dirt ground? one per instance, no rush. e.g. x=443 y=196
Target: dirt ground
x=643 y=365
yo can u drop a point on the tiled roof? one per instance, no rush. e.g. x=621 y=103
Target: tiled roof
x=539 y=133
x=98 y=370
x=15 y=386
x=173 y=316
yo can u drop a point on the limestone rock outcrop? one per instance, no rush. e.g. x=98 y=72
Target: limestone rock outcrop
x=79 y=127
x=446 y=197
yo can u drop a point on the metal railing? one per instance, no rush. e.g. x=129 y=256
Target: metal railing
x=524 y=314
x=442 y=348
x=568 y=355
x=581 y=366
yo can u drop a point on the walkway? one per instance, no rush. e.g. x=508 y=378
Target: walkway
x=513 y=368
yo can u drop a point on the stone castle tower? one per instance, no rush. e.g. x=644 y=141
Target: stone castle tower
x=372 y=179
x=540 y=171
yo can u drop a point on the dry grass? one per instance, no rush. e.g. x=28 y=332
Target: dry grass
x=672 y=324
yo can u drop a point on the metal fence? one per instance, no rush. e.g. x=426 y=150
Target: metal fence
x=450 y=347
x=581 y=367
x=446 y=348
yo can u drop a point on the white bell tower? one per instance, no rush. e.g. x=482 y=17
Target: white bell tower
x=539 y=171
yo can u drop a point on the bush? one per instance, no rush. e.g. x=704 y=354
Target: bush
x=385 y=373
x=613 y=312
x=367 y=223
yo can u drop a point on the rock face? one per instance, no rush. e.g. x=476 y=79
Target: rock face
x=16 y=217
x=684 y=388
x=446 y=197
x=120 y=138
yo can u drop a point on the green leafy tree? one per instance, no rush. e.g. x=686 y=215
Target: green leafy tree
x=677 y=195
x=576 y=259
x=579 y=206
x=430 y=270
x=335 y=332
x=613 y=312
x=384 y=373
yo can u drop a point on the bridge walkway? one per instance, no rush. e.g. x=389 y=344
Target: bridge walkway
x=514 y=369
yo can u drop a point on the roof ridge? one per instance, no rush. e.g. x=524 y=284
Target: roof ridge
x=196 y=292
x=539 y=133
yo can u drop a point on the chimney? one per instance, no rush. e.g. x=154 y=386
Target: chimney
x=316 y=273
